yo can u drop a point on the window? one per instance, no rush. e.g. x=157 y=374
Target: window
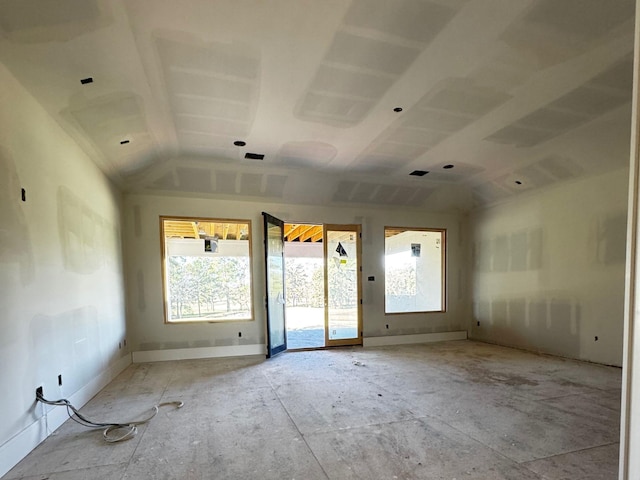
x=414 y=270
x=206 y=266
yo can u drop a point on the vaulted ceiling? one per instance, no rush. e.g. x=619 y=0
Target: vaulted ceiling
x=515 y=95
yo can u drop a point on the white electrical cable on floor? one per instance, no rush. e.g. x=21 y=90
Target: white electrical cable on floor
x=129 y=428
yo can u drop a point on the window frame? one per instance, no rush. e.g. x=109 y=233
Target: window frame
x=443 y=269
x=165 y=279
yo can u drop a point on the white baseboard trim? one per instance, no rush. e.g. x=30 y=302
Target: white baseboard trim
x=198 y=352
x=18 y=447
x=418 y=338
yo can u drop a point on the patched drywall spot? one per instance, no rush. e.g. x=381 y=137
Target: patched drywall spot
x=137 y=221
x=85 y=236
x=142 y=304
x=35 y=21
x=500 y=253
x=611 y=239
x=548 y=323
x=15 y=239
x=515 y=252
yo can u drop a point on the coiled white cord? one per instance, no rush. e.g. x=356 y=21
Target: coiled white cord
x=129 y=429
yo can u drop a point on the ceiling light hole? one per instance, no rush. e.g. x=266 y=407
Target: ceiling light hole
x=254 y=156
x=124 y=142
x=518 y=182
x=85 y=81
x=397 y=109
x=239 y=143
x=419 y=173
x=448 y=166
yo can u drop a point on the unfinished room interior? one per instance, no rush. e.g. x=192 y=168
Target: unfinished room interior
x=319 y=239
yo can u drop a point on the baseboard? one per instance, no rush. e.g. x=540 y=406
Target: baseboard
x=198 y=352
x=18 y=447
x=419 y=338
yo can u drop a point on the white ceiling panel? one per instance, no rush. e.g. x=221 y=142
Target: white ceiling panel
x=357 y=93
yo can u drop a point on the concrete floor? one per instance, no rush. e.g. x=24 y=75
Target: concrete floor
x=441 y=411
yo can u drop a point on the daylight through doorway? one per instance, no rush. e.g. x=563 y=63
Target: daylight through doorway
x=304 y=287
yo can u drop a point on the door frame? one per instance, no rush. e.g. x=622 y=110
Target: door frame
x=357 y=229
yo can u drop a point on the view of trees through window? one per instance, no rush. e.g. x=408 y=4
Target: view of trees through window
x=305 y=283
x=209 y=288
x=207 y=268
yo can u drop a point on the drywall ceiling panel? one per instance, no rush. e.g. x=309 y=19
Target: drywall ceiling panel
x=411 y=132
x=375 y=44
x=370 y=54
x=533 y=175
x=314 y=154
x=111 y=119
x=194 y=179
x=436 y=120
x=226 y=181
x=520 y=136
x=548 y=119
x=560 y=168
x=619 y=77
x=385 y=194
x=346 y=82
x=275 y=185
x=416 y=20
x=202 y=124
x=489 y=192
x=166 y=182
x=554 y=31
x=251 y=184
x=463 y=96
x=364 y=192
x=197 y=105
x=212 y=88
x=590 y=101
x=580 y=18
x=459 y=172
x=343 y=191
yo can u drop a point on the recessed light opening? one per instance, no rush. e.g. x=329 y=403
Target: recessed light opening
x=87 y=80
x=254 y=156
x=518 y=182
x=397 y=109
x=124 y=142
x=447 y=167
x=419 y=173
x=239 y=143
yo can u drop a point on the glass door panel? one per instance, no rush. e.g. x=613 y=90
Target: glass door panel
x=343 y=320
x=274 y=266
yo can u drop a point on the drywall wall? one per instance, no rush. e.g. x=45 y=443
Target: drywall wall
x=61 y=282
x=548 y=269
x=142 y=253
